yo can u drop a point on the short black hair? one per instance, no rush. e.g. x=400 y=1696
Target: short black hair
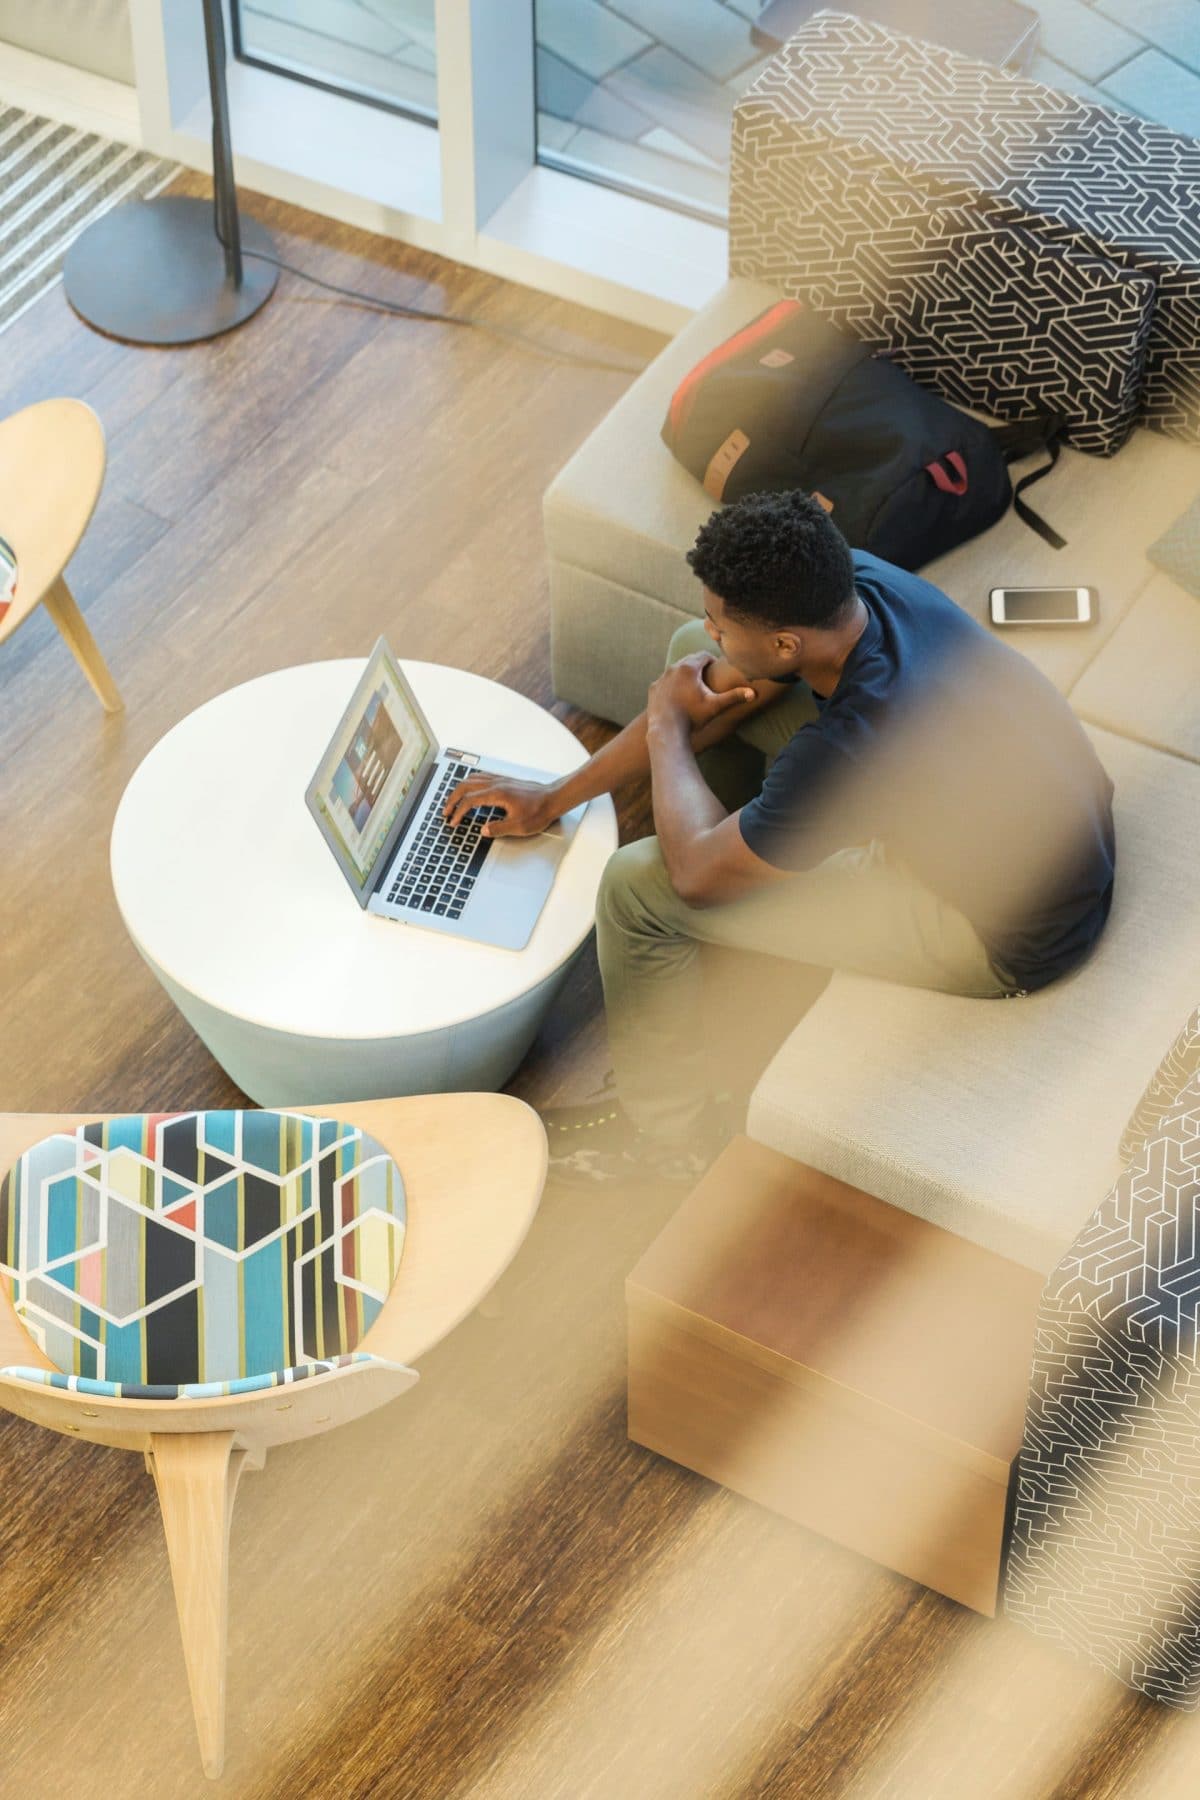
x=777 y=559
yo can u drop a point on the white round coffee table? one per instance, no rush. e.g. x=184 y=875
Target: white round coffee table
x=237 y=906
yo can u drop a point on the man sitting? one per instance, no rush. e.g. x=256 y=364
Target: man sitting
x=859 y=776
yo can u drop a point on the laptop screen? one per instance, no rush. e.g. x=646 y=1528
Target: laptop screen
x=380 y=747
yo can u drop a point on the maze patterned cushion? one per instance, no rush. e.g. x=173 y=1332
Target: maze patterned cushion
x=1017 y=247
x=1107 y=1521
x=1170 y=1078
x=173 y=1255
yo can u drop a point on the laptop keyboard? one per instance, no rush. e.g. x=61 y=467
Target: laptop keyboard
x=441 y=865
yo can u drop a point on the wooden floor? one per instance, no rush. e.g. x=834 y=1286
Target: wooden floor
x=484 y=1591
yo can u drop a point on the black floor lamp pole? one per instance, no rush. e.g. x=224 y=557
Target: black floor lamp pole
x=224 y=193
x=169 y=270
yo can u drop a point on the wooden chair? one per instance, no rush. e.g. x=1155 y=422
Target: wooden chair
x=51 y=472
x=473 y=1167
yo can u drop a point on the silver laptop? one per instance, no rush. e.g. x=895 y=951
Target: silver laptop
x=377 y=797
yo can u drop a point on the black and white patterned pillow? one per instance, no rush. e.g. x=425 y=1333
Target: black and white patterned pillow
x=1170 y=1079
x=1105 y=1544
x=886 y=181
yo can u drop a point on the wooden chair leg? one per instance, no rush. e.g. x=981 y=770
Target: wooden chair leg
x=196 y=1474
x=60 y=604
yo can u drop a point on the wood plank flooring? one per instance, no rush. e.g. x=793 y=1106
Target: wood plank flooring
x=484 y=1592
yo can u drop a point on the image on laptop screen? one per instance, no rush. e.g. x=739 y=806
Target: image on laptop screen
x=370 y=767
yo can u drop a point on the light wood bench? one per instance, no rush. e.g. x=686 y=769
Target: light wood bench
x=845 y=1363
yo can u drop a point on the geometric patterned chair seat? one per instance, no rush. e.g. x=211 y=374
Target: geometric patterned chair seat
x=164 y=1256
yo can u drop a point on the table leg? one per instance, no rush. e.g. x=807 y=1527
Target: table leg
x=60 y=604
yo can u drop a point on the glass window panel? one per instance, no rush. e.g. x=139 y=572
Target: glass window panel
x=639 y=94
x=383 y=51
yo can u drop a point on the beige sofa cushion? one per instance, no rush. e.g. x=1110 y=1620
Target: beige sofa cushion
x=625 y=510
x=1109 y=510
x=88 y=34
x=1000 y=1119
x=1145 y=683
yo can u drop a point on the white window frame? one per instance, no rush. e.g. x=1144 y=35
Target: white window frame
x=471 y=190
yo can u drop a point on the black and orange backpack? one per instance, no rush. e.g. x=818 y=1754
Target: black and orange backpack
x=791 y=402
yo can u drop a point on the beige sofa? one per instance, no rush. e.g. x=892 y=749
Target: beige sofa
x=88 y=34
x=998 y=1121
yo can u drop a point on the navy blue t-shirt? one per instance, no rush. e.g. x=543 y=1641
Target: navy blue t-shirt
x=946 y=744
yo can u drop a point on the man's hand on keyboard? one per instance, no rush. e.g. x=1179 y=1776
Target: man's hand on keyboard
x=528 y=806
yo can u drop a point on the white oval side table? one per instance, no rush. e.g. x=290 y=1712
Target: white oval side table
x=236 y=905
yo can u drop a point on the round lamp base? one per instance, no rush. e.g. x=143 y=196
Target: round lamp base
x=153 y=272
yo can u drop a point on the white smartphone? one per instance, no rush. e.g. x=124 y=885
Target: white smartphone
x=1044 y=606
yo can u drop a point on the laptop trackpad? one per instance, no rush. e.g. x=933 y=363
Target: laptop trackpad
x=529 y=864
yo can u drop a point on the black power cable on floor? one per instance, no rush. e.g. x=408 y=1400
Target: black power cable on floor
x=377 y=303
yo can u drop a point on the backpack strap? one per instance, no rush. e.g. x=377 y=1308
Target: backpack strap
x=1025 y=437
x=1026 y=513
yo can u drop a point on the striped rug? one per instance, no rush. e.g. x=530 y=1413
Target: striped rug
x=54 y=180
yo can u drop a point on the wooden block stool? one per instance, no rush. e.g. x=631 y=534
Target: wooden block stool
x=51 y=472
x=838 y=1360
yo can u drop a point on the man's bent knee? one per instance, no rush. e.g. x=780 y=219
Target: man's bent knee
x=634 y=878
x=689 y=638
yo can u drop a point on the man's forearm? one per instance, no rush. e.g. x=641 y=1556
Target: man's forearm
x=627 y=756
x=622 y=759
x=684 y=805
